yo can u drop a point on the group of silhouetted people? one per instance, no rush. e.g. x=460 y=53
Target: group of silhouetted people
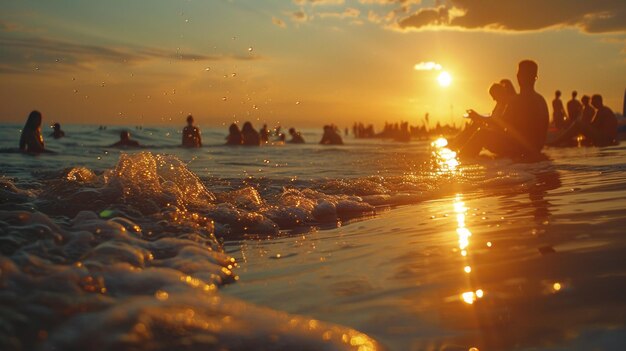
x=516 y=128
x=402 y=131
x=32 y=141
x=518 y=124
x=587 y=117
x=248 y=136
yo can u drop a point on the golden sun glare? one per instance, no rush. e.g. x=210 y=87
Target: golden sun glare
x=444 y=79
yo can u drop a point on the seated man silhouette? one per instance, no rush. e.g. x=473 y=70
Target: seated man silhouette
x=521 y=130
x=601 y=131
x=126 y=141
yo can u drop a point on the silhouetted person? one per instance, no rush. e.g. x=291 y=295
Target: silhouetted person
x=31 y=139
x=296 y=137
x=521 y=131
x=509 y=89
x=126 y=141
x=588 y=111
x=264 y=134
x=191 y=134
x=574 y=108
x=331 y=137
x=57 y=133
x=604 y=121
x=558 y=111
x=602 y=131
x=250 y=136
x=234 y=135
x=501 y=93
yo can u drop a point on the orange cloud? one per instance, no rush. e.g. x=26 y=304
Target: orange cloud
x=319 y=2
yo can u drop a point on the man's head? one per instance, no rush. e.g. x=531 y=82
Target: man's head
x=585 y=100
x=574 y=94
x=125 y=135
x=190 y=120
x=527 y=74
x=292 y=131
x=557 y=93
x=596 y=101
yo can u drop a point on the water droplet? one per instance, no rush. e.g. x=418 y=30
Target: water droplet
x=36 y=68
x=223 y=98
x=250 y=49
x=103 y=84
x=207 y=69
x=297 y=102
x=187 y=20
x=75 y=91
x=234 y=74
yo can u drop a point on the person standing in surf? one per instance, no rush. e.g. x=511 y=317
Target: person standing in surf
x=558 y=111
x=31 y=139
x=191 y=134
x=574 y=108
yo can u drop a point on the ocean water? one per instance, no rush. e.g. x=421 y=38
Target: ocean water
x=371 y=245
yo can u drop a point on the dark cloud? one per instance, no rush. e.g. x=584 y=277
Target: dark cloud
x=426 y=17
x=25 y=54
x=598 y=16
x=299 y=16
x=319 y=2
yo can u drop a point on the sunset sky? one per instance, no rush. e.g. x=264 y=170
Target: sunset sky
x=301 y=62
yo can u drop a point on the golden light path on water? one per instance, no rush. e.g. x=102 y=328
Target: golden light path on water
x=448 y=164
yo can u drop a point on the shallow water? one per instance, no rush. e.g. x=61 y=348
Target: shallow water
x=166 y=247
x=540 y=267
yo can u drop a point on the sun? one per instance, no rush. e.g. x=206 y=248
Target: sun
x=444 y=79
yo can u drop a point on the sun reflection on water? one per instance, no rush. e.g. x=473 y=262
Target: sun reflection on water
x=464 y=234
x=447 y=162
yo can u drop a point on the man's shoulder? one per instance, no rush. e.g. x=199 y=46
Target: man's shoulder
x=538 y=99
x=533 y=97
x=605 y=110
